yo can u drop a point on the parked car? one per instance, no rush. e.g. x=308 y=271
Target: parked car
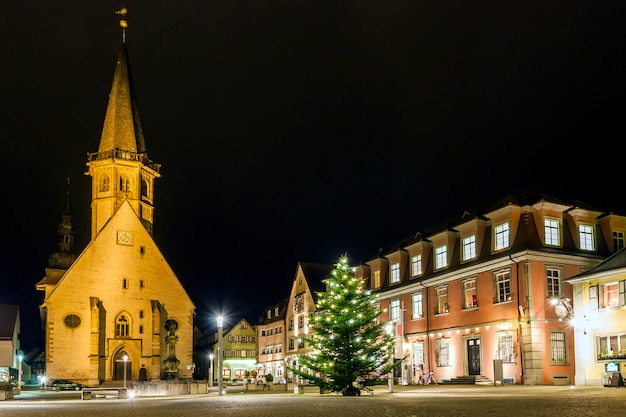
x=59 y=384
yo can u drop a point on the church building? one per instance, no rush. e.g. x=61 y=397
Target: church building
x=117 y=310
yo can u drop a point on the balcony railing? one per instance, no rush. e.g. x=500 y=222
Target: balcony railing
x=123 y=154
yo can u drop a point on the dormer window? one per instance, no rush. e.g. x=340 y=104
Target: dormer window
x=376 y=279
x=618 y=241
x=551 y=228
x=416 y=265
x=502 y=236
x=441 y=256
x=395 y=273
x=585 y=233
x=469 y=247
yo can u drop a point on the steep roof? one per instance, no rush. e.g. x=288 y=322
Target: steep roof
x=614 y=262
x=122 y=127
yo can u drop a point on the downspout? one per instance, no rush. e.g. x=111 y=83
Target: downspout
x=519 y=318
x=427 y=327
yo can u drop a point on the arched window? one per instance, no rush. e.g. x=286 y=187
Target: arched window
x=144 y=189
x=124 y=183
x=104 y=183
x=122 y=326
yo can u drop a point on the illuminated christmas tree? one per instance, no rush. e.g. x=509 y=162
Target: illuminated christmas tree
x=349 y=347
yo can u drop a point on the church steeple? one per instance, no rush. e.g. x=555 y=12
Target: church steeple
x=121 y=170
x=64 y=257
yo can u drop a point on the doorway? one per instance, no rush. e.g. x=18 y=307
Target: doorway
x=120 y=364
x=473 y=356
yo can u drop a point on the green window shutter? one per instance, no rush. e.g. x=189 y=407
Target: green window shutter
x=622 y=290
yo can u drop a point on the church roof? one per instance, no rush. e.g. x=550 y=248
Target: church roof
x=122 y=127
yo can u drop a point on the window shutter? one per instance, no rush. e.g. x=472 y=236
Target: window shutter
x=622 y=290
x=593 y=297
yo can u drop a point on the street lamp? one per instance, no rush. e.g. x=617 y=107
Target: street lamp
x=125 y=357
x=220 y=323
x=20 y=357
x=389 y=329
x=211 y=371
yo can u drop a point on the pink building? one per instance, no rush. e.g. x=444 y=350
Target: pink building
x=474 y=299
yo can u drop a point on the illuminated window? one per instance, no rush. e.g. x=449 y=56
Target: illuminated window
x=553 y=277
x=551 y=228
x=506 y=350
x=122 y=326
x=618 y=241
x=586 y=237
x=469 y=247
x=394 y=310
x=503 y=287
x=558 y=348
x=395 y=273
x=416 y=265
x=502 y=236
x=441 y=256
x=376 y=279
x=611 y=347
x=418 y=356
x=442 y=352
x=469 y=293
x=417 y=302
x=442 y=300
x=610 y=294
x=269 y=314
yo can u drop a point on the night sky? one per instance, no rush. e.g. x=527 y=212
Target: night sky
x=301 y=130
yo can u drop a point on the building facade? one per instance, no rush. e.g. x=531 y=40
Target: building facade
x=472 y=298
x=309 y=279
x=598 y=317
x=239 y=349
x=118 y=308
x=271 y=352
x=10 y=347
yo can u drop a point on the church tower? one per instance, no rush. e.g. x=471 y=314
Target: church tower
x=121 y=170
x=117 y=311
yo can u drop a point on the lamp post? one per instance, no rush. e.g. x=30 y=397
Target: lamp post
x=211 y=371
x=20 y=357
x=389 y=329
x=125 y=357
x=220 y=323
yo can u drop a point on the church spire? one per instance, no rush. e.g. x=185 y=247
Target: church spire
x=122 y=126
x=120 y=170
x=64 y=257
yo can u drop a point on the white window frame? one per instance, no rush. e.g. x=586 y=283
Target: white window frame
x=470 y=293
x=442 y=352
x=586 y=235
x=558 y=348
x=394 y=310
x=502 y=236
x=552 y=229
x=416 y=265
x=553 y=282
x=441 y=294
x=417 y=305
x=506 y=347
x=618 y=240
x=395 y=272
x=503 y=287
x=469 y=247
x=441 y=256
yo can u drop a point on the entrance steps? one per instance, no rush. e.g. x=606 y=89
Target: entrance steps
x=468 y=380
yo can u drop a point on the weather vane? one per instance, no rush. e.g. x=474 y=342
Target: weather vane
x=123 y=22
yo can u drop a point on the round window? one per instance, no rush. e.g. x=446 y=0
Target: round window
x=72 y=320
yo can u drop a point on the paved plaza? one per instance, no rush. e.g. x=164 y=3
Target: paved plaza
x=437 y=400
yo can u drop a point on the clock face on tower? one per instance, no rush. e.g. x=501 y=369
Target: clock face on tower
x=124 y=238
